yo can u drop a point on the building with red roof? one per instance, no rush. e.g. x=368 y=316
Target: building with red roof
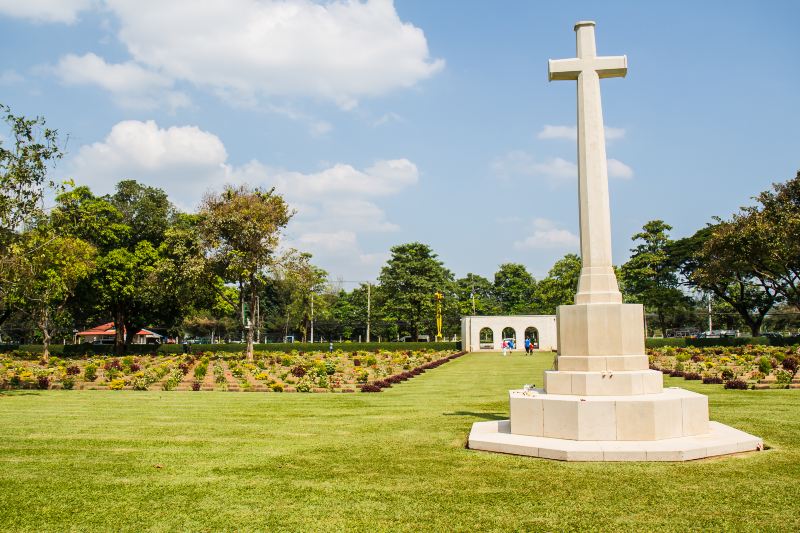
x=105 y=334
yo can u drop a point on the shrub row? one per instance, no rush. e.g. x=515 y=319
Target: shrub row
x=727 y=341
x=378 y=385
x=164 y=349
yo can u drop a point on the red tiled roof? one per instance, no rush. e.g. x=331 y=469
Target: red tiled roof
x=108 y=329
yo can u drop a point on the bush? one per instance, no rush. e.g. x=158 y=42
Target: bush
x=68 y=383
x=727 y=374
x=200 y=371
x=303 y=385
x=141 y=383
x=196 y=385
x=369 y=387
x=736 y=384
x=43 y=382
x=764 y=365
x=298 y=371
x=73 y=370
x=692 y=376
x=676 y=373
x=116 y=384
x=712 y=380
x=382 y=384
x=90 y=372
x=660 y=343
x=276 y=387
x=790 y=364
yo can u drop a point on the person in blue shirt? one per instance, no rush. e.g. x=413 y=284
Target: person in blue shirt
x=527 y=345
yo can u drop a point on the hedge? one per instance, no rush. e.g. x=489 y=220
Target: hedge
x=164 y=349
x=724 y=341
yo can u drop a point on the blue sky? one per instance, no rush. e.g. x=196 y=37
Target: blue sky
x=385 y=123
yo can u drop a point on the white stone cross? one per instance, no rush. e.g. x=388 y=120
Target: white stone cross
x=597 y=284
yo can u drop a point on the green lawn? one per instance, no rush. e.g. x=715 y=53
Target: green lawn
x=105 y=460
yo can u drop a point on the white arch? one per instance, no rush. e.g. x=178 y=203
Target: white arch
x=472 y=325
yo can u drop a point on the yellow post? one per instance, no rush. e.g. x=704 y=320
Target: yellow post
x=439 y=296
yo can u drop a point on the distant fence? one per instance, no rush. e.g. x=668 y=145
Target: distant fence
x=68 y=350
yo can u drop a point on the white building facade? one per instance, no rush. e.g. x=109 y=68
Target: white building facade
x=486 y=333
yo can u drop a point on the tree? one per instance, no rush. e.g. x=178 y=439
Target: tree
x=560 y=285
x=241 y=228
x=24 y=165
x=50 y=268
x=649 y=276
x=514 y=288
x=23 y=170
x=128 y=230
x=710 y=260
x=476 y=296
x=768 y=238
x=305 y=282
x=408 y=282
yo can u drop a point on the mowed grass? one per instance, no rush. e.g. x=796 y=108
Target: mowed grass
x=132 y=461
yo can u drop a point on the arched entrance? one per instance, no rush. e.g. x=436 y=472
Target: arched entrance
x=533 y=334
x=486 y=339
x=486 y=333
x=510 y=334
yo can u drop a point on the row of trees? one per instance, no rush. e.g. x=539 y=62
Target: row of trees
x=749 y=264
x=133 y=259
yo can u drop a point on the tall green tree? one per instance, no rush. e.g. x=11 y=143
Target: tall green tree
x=560 y=285
x=769 y=238
x=49 y=268
x=711 y=261
x=149 y=258
x=408 y=282
x=476 y=296
x=28 y=150
x=514 y=289
x=241 y=229
x=306 y=283
x=649 y=275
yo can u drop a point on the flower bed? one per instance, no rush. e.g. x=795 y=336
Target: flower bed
x=299 y=371
x=738 y=367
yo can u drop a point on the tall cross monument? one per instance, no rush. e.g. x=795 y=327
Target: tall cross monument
x=603 y=402
x=597 y=284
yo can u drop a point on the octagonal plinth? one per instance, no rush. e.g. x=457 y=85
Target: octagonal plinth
x=672 y=413
x=496 y=436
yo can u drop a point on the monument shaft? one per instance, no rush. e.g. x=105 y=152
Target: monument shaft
x=597 y=284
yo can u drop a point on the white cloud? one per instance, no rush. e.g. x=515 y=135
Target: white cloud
x=130 y=84
x=387 y=118
x=242 y=49
x=186 y=161
x=340 y=180
x=570 y=133
x=613 y=134
x=558 y=132
x=546 y=234
x=618 y=169
x=10 y=77
x=520 y=163
x=65 y=11
x=556 y=171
